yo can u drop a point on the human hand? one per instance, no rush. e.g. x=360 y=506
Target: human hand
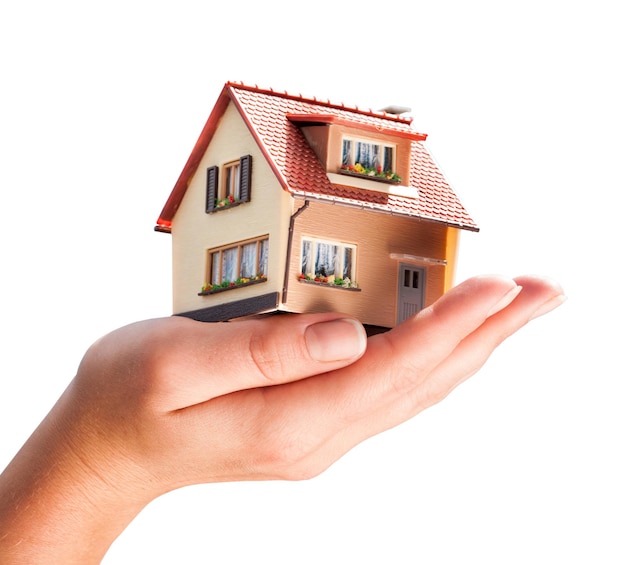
x=171 y=402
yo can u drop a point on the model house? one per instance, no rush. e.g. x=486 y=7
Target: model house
x=295 y=204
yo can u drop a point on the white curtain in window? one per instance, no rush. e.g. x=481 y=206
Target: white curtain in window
x=369 y=155
x=263 y=254
x=229 y=264
x=237 y=184
x=387 y=163
x=248 y=260
x=347 y=262
x=346 y=155
x=215 y=268
x=364 y=154
x=375 y=156
x=307 y=263
x=326 y=258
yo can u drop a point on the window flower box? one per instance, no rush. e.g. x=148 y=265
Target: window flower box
x=329 y=282
x=227 y=202
x=230 y=285
x=372 y=174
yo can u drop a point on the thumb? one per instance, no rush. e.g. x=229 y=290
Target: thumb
x=193 y=362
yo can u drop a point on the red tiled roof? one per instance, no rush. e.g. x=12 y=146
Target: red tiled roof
x=272 y=118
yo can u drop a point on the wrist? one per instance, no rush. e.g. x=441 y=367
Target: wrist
x=60 y=502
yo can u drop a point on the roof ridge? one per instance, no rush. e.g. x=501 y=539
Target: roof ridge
x=327 y=103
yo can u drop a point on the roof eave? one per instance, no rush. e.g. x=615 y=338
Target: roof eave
x=262 y=147
x=333 y=200
x=327 y=119
x=193 y=162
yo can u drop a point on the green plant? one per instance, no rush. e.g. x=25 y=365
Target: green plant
x=208 y=288
x=371 y=172
x=332 y=280
x=227 y=201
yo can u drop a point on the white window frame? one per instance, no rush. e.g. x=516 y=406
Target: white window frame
x=351 y=158
x=232 y=180
x=310 y=247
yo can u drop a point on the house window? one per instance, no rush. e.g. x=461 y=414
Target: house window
x=328 y=259
x=237 y=264
x=232 y=181
x=235 y=186
x=369 y=154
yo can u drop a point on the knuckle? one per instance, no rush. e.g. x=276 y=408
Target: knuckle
x=148 y=358
x=268 y=355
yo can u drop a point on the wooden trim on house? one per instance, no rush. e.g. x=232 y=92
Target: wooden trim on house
x=292 y=222
x=327 y=119
x=415 y=259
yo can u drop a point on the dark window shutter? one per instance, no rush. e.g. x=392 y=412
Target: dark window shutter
x=245 y=170
x=211 y=188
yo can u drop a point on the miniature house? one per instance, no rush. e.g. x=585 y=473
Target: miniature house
x=294 y=204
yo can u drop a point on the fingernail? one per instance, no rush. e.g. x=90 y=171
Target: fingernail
x=505 y=300
x=337 y=340
x=549 y=306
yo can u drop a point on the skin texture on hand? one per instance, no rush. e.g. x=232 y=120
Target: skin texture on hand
x=165 y=403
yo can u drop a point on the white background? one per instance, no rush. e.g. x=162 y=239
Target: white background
x=100 y=105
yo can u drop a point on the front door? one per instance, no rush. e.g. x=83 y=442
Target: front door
x=411 y=283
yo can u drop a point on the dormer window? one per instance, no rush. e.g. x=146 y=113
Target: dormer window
x=369 y=158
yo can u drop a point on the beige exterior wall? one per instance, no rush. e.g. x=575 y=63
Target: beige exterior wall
x=377 y=237
x=452 y=252
x=194 y=231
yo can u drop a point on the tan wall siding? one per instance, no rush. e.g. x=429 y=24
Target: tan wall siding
x=377 y=237
x=194 y=231
x=452 y=251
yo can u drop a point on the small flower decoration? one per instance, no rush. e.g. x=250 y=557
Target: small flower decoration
x=209 y=288
x=330 y=281
x=377 y=172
